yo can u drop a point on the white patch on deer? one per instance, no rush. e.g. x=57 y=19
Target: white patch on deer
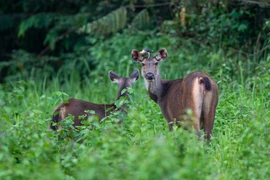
x=207 y=102
x=62 y=112
x=146 y=83
x=151 y=86
x=198 y=97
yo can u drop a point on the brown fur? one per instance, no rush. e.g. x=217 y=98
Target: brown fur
x=197 y=92
x=77 y=108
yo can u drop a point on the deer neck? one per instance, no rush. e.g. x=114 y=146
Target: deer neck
x=154 y=88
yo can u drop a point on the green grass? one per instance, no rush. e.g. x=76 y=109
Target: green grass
x=141 y=147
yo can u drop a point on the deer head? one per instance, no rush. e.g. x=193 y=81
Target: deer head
x=123 y=83
x=149 y=64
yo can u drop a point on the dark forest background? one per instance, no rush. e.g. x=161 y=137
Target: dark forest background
x=48 y=36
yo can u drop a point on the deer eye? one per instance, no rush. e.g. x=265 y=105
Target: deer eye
x=156 y=63
x=143 y=64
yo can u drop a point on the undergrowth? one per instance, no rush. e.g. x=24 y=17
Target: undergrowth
x=141 y=147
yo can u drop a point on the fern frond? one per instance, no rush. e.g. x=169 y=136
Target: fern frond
x=141 y=19
x=41 y=20
x=50 y=38
x=110 y=23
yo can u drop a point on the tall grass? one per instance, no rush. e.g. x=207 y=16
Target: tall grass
x=141 y=147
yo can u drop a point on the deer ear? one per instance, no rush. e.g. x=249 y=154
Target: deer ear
x=113 y=76
x=162 y=54
x=136 y=55
x=135 y=75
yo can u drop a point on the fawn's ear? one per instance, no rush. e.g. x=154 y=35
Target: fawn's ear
x=136 y=55
x=113 y=76
x=162 y=55
x=135 y=75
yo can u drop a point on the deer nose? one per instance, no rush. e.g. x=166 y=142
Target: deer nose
x=150 y=76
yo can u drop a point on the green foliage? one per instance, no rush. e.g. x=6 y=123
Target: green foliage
x=219 y=24
x=67 y=34
x=25 y=65
x=267 y=29
x=42 y=20
x=141 y=19
x=108 y=24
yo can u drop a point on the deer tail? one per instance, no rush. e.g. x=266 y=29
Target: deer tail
x=206 y=82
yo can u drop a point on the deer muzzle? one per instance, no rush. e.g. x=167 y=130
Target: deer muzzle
x=150 y=76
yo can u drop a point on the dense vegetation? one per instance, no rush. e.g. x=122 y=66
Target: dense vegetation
x=53 y=50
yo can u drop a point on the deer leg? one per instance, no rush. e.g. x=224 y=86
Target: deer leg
x=209 y=123
x=170 y=124
x=208 y=116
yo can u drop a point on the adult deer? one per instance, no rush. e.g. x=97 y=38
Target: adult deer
x=197 y=92
x=76 y=107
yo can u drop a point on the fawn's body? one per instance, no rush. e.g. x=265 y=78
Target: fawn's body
x=78 y=108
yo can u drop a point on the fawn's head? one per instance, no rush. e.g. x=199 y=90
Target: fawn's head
x=123 y=82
